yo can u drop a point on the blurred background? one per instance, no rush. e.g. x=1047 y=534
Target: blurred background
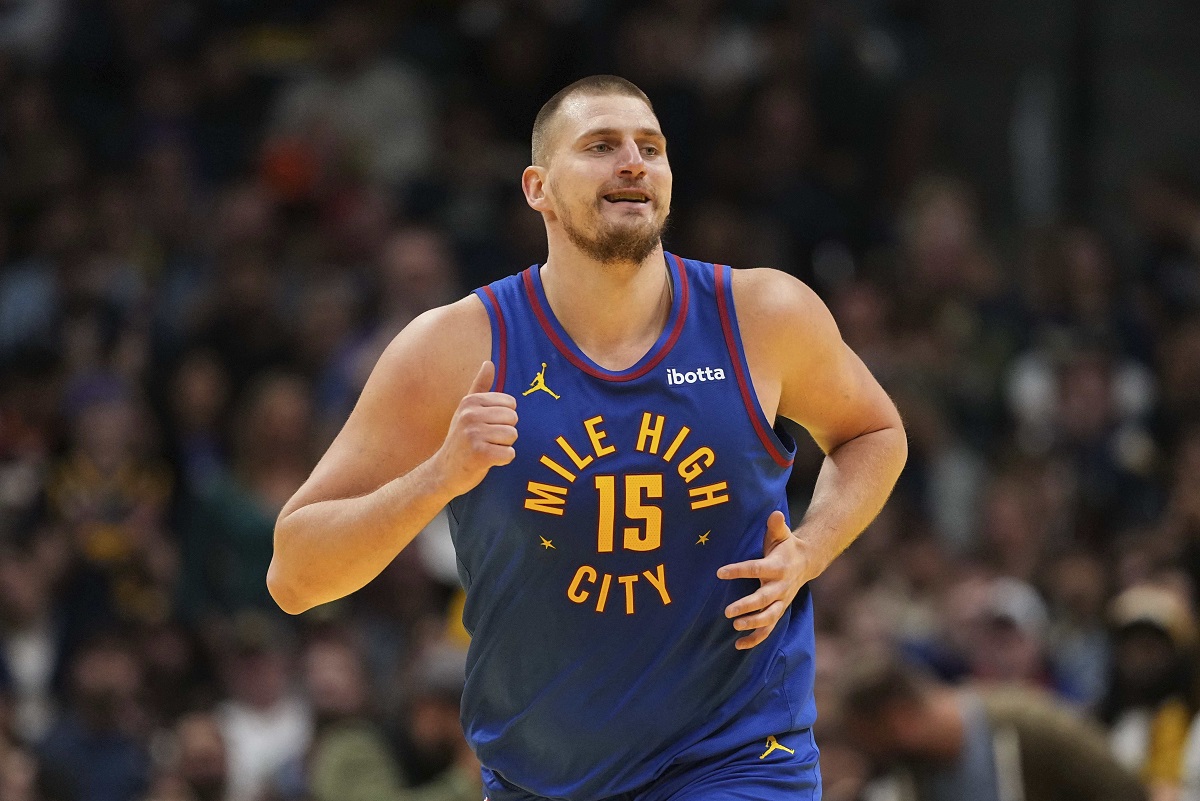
x=214 y=215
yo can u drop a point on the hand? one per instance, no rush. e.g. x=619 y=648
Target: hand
x=481 y=434
x=782 y=571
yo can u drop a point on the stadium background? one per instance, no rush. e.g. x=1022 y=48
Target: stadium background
x=213 y=215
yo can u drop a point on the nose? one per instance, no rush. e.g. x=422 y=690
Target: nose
x=631 y=164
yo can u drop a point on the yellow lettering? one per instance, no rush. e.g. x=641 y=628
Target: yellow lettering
x=628 y=582
x=707 y=496
x=659 y=581
x=691 y=467
x=596 y=436
x=607 y=487
x=557 y=468
x=547 y=499
x=635 y=538
x=603 y=598
x=651 y=433
x=569 y=451
x=679 y=438
x=573 y=592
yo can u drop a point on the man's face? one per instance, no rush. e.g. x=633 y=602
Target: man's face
x=607 y=179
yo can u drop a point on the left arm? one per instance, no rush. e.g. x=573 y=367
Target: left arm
x=802 y=370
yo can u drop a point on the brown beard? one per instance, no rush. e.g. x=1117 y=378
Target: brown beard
x=613 y=244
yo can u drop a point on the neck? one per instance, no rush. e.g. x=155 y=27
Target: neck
x=613 y=312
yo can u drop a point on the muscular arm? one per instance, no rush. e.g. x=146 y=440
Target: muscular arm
x=802 y=370
x=828 y=390
x=391 y=468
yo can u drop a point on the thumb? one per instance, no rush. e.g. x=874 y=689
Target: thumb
x=483 y=379
x=777 y=531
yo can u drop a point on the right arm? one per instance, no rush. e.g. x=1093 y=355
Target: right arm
x=425 y=430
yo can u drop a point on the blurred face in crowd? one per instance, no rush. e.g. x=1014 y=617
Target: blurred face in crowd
x=434 y=726
x=106 y=680
x=1145 y=661
x=940 y=231
x=105 y=431
x=202 y=758
x=1085 y=402
x=199 y=392
x=276 y=419
x=258 y=677
x=334 y=679
x=606 y=183
x=24 y=590
x=1006 y=652
x=417 y=269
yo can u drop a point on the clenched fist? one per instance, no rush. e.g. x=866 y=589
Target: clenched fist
x=481 y=434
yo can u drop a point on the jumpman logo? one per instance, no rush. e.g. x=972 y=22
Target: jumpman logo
x=775 y=745
x=539 y=382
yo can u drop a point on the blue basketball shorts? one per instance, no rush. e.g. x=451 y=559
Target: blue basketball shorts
x=781 y=768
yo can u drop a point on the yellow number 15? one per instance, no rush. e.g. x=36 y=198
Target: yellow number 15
x=637 y=487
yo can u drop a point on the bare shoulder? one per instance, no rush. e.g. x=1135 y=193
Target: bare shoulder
x=794 y=348
x=405 y=409
x=778 y=311
x=438 y=353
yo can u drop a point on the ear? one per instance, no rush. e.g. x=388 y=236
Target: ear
x=533 y=183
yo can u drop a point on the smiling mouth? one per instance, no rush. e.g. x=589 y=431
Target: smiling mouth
x=627 y=196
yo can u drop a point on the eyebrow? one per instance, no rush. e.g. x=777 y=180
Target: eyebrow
x=649 y=132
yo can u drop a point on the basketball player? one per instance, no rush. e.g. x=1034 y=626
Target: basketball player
x=602 y=429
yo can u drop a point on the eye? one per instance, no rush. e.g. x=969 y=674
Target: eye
x=601 y=147
x=650 y=150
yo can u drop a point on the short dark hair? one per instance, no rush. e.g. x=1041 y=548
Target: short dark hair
x=590 y=86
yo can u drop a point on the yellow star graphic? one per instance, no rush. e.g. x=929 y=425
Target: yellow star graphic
x=547 y=544
x=704 y=537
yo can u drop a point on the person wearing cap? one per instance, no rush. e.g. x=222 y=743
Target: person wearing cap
x=1152 y=699
x=964 y=744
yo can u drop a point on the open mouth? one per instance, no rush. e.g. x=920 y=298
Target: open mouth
x=627 y=196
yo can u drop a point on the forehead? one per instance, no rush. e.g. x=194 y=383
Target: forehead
x=582 y=113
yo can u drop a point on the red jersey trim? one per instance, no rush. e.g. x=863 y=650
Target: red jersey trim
x=741 y=371
x=569 y=349
x=502 y=347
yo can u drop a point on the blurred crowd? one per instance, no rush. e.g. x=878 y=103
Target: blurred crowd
x=215 y=215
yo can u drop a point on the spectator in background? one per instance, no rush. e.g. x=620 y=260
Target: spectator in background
x=415 y=270
x=1077 y=589
x=959 y=320
x=197 y=410
x=1010 y=649
x=178 y=671
x=265 y=723
x=983 y=745
x=351 y=759
x=1152 y=698
x=109 y=495
x=1181 y=519
x=358 y=111
x=228 y=527
x=198 y=768
x=33 y=640
x=435 y=751
x=96 y=748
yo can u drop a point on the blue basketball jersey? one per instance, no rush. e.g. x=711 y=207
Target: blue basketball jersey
x=600 y=651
